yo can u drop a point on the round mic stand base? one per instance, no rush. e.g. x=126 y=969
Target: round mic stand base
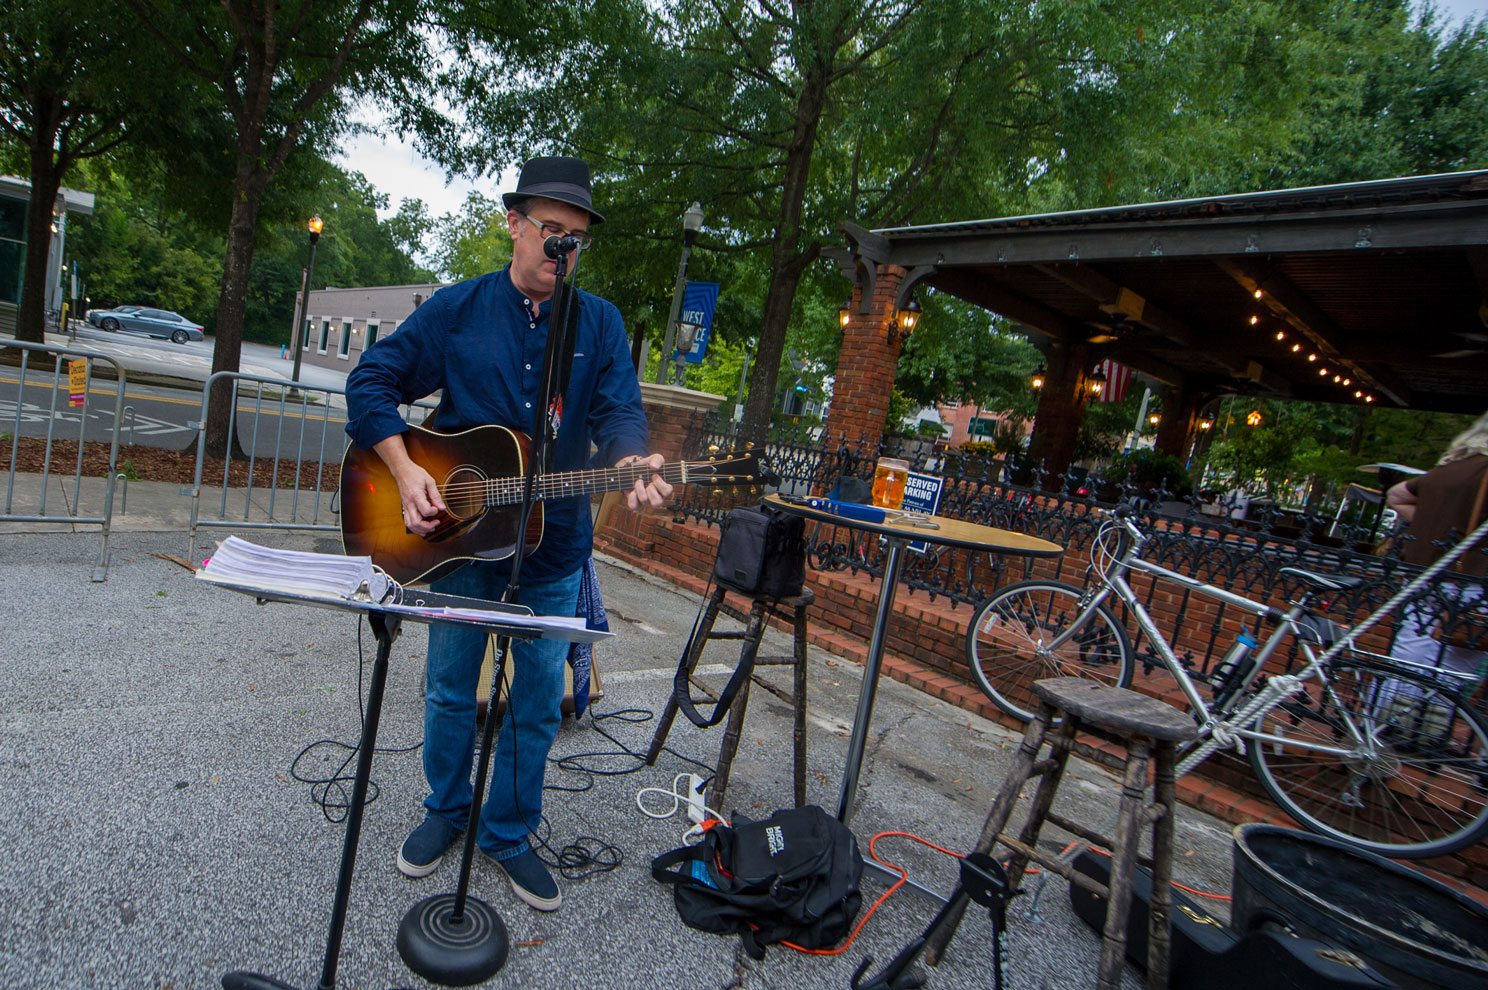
x=448 y=952
x=239 y=980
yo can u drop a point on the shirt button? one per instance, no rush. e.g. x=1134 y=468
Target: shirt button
x=532 y=326
x=527 y=405
x=526 y=302
x=527 y=366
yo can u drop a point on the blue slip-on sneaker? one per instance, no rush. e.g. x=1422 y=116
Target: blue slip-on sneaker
x=531 y=881
x=425 y=846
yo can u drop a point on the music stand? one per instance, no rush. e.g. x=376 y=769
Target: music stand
x=480 y=934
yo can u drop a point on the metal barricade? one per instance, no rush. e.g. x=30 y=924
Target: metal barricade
x=33 y=490
x=284 y=428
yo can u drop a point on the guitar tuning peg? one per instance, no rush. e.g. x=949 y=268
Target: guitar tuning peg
x=713 y=448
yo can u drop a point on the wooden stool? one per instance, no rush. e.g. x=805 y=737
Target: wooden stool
x=753 y=631
x=1150 y=731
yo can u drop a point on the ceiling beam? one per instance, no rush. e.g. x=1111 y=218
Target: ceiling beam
x=1288 y=302
x=1108 y=293
x=976 y=288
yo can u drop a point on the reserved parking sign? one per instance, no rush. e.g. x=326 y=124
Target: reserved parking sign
x=921 y=494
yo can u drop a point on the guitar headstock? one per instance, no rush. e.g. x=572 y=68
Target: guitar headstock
x=739 y=472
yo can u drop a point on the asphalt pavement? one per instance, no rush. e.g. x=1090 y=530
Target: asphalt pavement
x=158 y=836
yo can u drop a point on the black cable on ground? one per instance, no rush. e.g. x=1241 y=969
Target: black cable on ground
x=330 y=793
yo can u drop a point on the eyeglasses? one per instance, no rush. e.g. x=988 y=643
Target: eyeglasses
x=553 y=230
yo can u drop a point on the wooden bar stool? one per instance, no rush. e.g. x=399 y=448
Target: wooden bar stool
x=1151 y=732
x=751 y=634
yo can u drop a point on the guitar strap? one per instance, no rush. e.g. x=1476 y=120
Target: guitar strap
x=566 y=347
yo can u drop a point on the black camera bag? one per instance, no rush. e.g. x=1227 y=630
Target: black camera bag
x=762 y=552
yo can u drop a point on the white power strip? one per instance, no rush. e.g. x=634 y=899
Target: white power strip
x=695 y=799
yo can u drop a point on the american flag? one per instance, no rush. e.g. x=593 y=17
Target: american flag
x=1118 y=377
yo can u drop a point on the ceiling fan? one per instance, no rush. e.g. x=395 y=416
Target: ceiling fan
x=1125 y=312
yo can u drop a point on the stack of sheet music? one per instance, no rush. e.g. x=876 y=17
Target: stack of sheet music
x=241 y=564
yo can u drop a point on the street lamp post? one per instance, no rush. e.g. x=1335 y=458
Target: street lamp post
x=743 y=380
x=296 y=341
x=692 y=222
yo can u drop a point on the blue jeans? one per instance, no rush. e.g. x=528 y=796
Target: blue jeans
x=513 y=807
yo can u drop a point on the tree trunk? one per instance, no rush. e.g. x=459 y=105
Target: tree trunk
x=247 y=196
x=46 y=179
x=787 y=261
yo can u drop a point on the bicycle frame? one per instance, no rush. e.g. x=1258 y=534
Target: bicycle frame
x=1215 y=729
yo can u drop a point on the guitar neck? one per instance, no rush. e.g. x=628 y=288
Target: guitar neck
x=508 y=491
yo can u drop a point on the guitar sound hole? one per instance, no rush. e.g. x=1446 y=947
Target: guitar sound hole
x=464 y=492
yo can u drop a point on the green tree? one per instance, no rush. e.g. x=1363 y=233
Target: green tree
x=64 y=97
x=784 y=119
x=278 y=75
x=473 y=241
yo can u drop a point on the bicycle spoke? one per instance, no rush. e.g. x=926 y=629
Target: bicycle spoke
x=1009 y=644
x=1383 y=759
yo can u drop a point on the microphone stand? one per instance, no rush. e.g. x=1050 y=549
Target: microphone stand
x=455 y=939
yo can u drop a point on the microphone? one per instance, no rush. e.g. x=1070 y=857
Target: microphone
x=555 y=245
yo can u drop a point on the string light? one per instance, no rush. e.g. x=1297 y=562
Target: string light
x=1312 y=358
x=1254 y=320
x=1258 y=293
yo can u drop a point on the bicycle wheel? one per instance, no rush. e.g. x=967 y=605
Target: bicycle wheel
x=1006 y=644
x=1415 y=782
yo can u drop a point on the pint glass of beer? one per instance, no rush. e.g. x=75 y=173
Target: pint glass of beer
x=888 y=482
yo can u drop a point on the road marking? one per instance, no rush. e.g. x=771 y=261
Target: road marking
x=658 y=673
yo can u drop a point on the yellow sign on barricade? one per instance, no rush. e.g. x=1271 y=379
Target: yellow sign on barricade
x=77 y=381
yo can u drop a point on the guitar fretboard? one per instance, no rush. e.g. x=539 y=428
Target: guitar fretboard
x=508 y=491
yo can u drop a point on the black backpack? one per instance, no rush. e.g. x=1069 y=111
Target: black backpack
x=790 y=878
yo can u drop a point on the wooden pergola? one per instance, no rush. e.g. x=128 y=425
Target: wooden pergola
x=1368 y=292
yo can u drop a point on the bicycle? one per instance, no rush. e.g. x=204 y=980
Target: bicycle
x=1383 y=754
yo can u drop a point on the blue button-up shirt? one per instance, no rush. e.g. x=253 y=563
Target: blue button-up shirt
x=478 y=344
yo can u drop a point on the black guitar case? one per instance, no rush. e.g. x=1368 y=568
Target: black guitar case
x=1208 y=955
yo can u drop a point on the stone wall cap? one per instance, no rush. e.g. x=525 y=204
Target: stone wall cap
x=678 y=397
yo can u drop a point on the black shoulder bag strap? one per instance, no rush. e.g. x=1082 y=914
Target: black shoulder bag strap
x=683 y=695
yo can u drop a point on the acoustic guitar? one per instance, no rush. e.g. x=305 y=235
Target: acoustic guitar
x=481 y=473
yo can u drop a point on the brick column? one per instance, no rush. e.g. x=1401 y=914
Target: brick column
x=1180 y=410
x=866 y=366
x=1061 y=407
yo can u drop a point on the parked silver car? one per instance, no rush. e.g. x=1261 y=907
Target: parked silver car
x=153 y=322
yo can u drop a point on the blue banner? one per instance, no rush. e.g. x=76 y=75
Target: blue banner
x=698 y=302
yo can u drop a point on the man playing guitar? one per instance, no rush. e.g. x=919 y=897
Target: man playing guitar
x=481 y=343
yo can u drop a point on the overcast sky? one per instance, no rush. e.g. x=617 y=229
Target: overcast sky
x=394 y=168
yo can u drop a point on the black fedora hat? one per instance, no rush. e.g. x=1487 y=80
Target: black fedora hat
x=563 y=179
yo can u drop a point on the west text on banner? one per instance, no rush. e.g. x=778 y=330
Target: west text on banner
x=77 y=382
x=1118 y=377
x=698 y=303
x=921 y=494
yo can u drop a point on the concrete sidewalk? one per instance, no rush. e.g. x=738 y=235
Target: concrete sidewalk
x=157 y=835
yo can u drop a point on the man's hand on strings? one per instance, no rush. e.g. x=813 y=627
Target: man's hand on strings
x=423 y=506
x=649 y=492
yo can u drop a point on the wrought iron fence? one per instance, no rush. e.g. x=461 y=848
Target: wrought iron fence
x=1205 y=540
